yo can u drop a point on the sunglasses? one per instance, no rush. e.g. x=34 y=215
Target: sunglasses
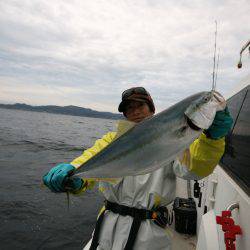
x=138 y=90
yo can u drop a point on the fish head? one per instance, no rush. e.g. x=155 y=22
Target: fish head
x=203 y=100
x=202 y=111
x=197 y=104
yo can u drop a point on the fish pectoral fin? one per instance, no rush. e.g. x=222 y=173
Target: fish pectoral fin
x=124 y=126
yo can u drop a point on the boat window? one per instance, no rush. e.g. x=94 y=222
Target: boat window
x=236 y=160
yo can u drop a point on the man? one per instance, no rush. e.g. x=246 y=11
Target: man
x=133 y=217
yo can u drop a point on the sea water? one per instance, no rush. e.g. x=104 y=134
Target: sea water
x=32 y=217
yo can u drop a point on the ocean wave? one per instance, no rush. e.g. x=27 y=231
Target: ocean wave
x=44 y=145
x=19 y=210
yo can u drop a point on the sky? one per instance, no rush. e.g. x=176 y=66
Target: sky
x=85 y=53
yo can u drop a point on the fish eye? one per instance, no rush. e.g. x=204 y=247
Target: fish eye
x=206 y=98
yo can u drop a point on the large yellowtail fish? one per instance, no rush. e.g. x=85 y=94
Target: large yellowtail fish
x=154 y=142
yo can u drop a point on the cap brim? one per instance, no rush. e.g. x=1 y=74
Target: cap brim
x=122 y=105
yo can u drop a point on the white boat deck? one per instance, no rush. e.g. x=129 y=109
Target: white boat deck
x=182 y=241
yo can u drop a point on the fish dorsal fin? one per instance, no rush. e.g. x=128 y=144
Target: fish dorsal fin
x=123 y=126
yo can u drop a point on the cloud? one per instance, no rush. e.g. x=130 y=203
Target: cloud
x=87 y=52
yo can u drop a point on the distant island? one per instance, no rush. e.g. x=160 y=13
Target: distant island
x=65 y=110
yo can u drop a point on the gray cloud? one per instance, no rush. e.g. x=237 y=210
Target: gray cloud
x=87 y=52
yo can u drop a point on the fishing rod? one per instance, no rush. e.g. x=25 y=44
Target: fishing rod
x=217 y=66
x=214 y=58
x=242 y=50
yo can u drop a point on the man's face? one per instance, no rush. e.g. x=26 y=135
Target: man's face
x=137 y=111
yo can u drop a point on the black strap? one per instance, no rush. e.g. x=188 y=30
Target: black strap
x=123 y=210
x=133 y=233
x=136 y=213
x=95 y=242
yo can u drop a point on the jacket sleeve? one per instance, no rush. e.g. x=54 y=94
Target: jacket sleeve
x=99 y=145
x=200 y=159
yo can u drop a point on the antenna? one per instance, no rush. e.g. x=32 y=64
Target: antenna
x=214 y=59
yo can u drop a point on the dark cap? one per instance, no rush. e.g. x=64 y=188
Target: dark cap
x=139 y=94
